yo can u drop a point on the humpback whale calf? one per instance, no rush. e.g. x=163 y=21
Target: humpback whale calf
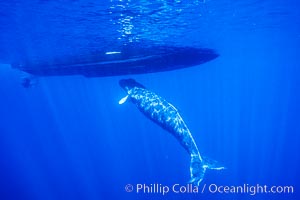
x=167 y=116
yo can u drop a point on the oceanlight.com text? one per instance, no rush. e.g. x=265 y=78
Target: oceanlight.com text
x=248 y=189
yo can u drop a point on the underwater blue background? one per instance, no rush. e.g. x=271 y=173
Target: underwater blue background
x=68 y=138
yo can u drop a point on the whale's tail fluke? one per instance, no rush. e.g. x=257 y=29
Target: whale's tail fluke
x=198 y=168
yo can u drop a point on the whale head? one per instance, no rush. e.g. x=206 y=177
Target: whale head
x=128 y=84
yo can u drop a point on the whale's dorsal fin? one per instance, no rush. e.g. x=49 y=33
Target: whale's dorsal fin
x=123 y=100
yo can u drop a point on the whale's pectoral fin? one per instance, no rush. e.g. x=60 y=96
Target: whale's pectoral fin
x=123 y=100
x=198 y=168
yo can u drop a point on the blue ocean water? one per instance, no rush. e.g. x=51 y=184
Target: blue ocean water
x=68 y=138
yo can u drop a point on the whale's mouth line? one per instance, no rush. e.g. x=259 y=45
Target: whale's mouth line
x=128 y=84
